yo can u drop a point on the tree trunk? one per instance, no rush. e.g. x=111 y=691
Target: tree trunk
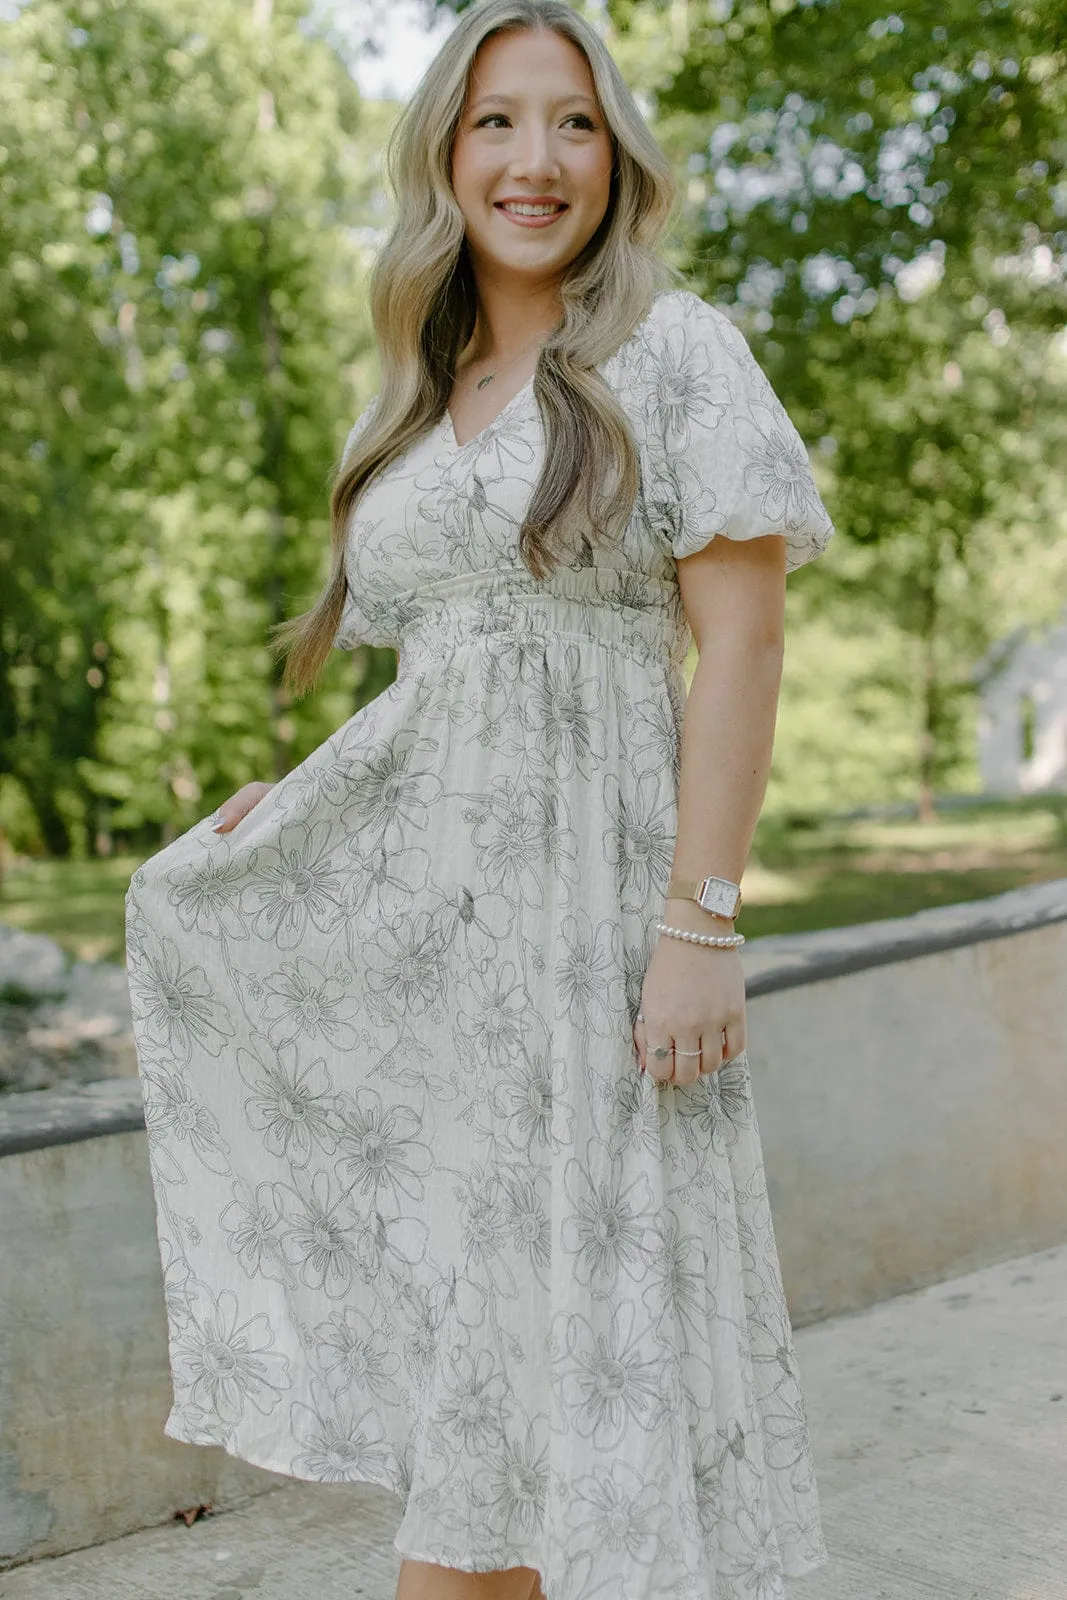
x=931 y=687
x=54 y=830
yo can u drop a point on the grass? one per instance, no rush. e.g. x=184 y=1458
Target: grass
x=811 y=873
x=79 y=904
x=830 y=873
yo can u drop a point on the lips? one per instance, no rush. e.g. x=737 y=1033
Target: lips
x=532 y=214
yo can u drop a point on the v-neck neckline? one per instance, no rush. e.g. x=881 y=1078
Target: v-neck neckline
x=450 y=426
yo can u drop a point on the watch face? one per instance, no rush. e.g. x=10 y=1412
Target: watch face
x=720 y=897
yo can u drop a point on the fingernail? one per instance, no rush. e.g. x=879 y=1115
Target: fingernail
x=218 y=820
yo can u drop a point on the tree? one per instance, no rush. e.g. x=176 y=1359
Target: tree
x=849 y=198
x=189 y=198
x=878 y=198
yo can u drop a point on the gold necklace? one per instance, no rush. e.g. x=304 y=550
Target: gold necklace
x=488 y=377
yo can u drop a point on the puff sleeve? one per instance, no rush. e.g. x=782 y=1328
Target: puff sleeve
x=723 y=456
x=360 y=424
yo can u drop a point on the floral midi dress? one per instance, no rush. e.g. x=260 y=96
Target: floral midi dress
x=423 y=1223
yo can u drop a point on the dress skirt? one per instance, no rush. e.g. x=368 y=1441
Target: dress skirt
x=423 y=1222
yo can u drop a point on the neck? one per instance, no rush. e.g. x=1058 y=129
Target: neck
x=511 y=315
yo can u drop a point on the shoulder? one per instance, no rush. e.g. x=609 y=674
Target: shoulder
x=684 y=310
x=681 y=322
x=682 y=331
x=687 y=351
x=674 y=307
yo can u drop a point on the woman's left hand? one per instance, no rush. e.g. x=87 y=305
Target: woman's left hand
x=692 y=999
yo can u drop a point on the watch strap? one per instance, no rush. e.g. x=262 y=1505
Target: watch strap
x=692 y=888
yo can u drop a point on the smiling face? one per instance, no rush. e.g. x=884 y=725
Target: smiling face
x=532 y=156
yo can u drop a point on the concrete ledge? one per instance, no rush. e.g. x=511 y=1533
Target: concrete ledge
x=84 y=1374
x=43 y=1117
x=909 y=1082
x=912 y=1106
x=786 y=960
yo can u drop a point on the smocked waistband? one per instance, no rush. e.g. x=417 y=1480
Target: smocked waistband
x=629 y=611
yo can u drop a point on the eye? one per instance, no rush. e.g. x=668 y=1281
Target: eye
x=492 y=116
x=586 y=122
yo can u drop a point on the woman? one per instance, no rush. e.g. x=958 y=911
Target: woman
x=458 y=1176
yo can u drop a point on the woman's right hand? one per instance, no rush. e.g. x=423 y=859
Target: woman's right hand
x=239 y=805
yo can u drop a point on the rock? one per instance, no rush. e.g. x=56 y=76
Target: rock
x=31 y=963
x=60 y=1023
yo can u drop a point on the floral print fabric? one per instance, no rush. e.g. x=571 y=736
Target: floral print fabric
x=422 y=1221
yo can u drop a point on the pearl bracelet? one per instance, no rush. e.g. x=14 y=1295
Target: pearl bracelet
x=720 y=941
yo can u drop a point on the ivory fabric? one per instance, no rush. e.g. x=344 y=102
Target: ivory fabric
x=422 y=1222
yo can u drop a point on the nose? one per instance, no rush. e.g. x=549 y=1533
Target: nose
x=533 y=156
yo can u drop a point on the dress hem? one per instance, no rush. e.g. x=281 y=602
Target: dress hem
x=253 y=1460
x=793 y=1570
x=788 y=1573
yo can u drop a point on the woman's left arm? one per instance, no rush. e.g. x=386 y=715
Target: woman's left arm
x=733 y=592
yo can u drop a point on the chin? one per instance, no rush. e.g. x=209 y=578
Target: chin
x=559 y=256
x=526 y=264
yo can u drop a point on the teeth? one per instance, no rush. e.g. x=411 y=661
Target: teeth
x=521 y=209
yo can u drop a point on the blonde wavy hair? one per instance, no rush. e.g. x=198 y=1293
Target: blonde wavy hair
x=424 y=306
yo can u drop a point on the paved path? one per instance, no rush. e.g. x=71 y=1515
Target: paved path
x=939 y=1421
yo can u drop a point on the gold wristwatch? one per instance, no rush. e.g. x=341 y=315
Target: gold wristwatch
x=717 y=895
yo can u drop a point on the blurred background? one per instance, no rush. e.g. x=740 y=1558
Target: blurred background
x=190 y=200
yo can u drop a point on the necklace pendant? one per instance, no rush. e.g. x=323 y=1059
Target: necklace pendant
x=487 y=379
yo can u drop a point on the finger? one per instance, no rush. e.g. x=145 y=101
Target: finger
x=239 y=805
x=640 y=1042
x=736 y=1038
x=687 y=1058
x=659 y=1055
x=711 y=1056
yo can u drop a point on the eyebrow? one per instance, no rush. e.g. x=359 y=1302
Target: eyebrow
x=511 y=100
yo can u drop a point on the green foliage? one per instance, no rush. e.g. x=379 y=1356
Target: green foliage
x=880 y=198
x=190 y=202
x=189 y=199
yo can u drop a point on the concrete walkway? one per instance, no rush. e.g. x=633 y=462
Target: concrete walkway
x=939 y=1421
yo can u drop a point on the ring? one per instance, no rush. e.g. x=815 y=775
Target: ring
x=640 y=1017
x=687 y=1052
x=660 y=1053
